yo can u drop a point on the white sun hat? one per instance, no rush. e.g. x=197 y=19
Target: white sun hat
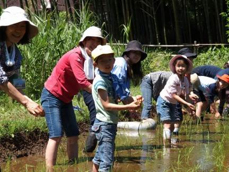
x=13 y=15
x=93 y=31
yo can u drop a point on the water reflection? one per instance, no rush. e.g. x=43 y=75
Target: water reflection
x=202 y=147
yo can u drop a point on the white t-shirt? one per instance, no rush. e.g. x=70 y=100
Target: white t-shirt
x=175 y=86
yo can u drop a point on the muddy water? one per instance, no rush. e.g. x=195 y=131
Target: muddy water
x=201 y=147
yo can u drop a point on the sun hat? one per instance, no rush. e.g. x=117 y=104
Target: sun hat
x=172 y=66
x=101 y=50
x=187 y=52
x=93 y=31
x=13 y=15
x=135 y=46
x=194 y=79
x=224 y=77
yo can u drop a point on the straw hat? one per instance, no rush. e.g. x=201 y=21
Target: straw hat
x=101 y=50
x=93 y=31
x=135 y=46
x=13 y=15
x=172 y=66
x=195 y=81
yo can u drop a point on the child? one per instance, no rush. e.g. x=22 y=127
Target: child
x=207 y=88
x=175 y=90
x=105 y=125
x=128 y=68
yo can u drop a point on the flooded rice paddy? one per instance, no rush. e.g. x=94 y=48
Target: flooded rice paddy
x=201 y=147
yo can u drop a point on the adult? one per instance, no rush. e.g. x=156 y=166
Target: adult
x=128 y=68
x=68 y=77
x=206 y=70
x=207 y=88
x=15 y=28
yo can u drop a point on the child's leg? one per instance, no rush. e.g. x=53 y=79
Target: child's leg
x=72 y=148
x=178 y=115
x=95 y=168
x=51 y=151
x=104 y=157
x=167 y=132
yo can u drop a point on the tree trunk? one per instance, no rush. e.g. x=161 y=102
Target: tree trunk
x=176 y=20
x=206 y=12
x=163 y=21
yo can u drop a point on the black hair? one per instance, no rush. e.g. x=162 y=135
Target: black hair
x=24 y=40
x=181 y=58
x=226 y=65
x=134 y=71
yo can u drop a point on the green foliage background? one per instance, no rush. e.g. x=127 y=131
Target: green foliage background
x=57 y=36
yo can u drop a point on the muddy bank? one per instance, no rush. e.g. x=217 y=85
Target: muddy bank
x=27 y=143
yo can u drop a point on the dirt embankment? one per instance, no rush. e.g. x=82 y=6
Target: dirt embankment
x=25 y=144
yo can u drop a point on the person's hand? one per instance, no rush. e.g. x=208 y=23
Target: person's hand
x=193 y=97
x=217 y=115
x=191 y=106
x=34 y=108
x=134 y=105
x=139 y=99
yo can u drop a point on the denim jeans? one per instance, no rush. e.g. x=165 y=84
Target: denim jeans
x=105 y=134
x=165 y=110
x=90 y=105
x=60 y=116
x=147 y=93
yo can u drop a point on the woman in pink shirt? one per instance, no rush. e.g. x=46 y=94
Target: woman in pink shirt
x=73 y=72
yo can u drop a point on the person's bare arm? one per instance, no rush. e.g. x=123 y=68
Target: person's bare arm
x=30 y=105
x=111 y=106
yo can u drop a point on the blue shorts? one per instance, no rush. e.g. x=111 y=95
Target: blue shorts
x=60 y=116
x=165 y=110
x=178 y=113
x=105 y=134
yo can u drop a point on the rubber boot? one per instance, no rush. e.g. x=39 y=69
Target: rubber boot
x=91 y=143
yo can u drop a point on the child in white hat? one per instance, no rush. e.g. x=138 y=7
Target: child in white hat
x=104 y=95
x=175 y=90
x=15 y=28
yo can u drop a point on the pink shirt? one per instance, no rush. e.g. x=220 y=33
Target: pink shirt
x=175 y=86
x=68 y=76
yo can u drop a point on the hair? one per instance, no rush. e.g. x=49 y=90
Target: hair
x=134 y=71
x=24 y=40
x=226 y=65
x=180 y=58
x=88 y=38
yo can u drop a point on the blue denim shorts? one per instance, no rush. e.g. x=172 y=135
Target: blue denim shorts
x=105 y=134
x=60 y=116
x=165 y=110
x=178 y=115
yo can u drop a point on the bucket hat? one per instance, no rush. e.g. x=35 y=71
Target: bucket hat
x=135 y=46
x=194 y=79
x=187 y=52
x=13 y=15
x=172 y=66
x=93 y=31
x=101 y=50
x=223 y=77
